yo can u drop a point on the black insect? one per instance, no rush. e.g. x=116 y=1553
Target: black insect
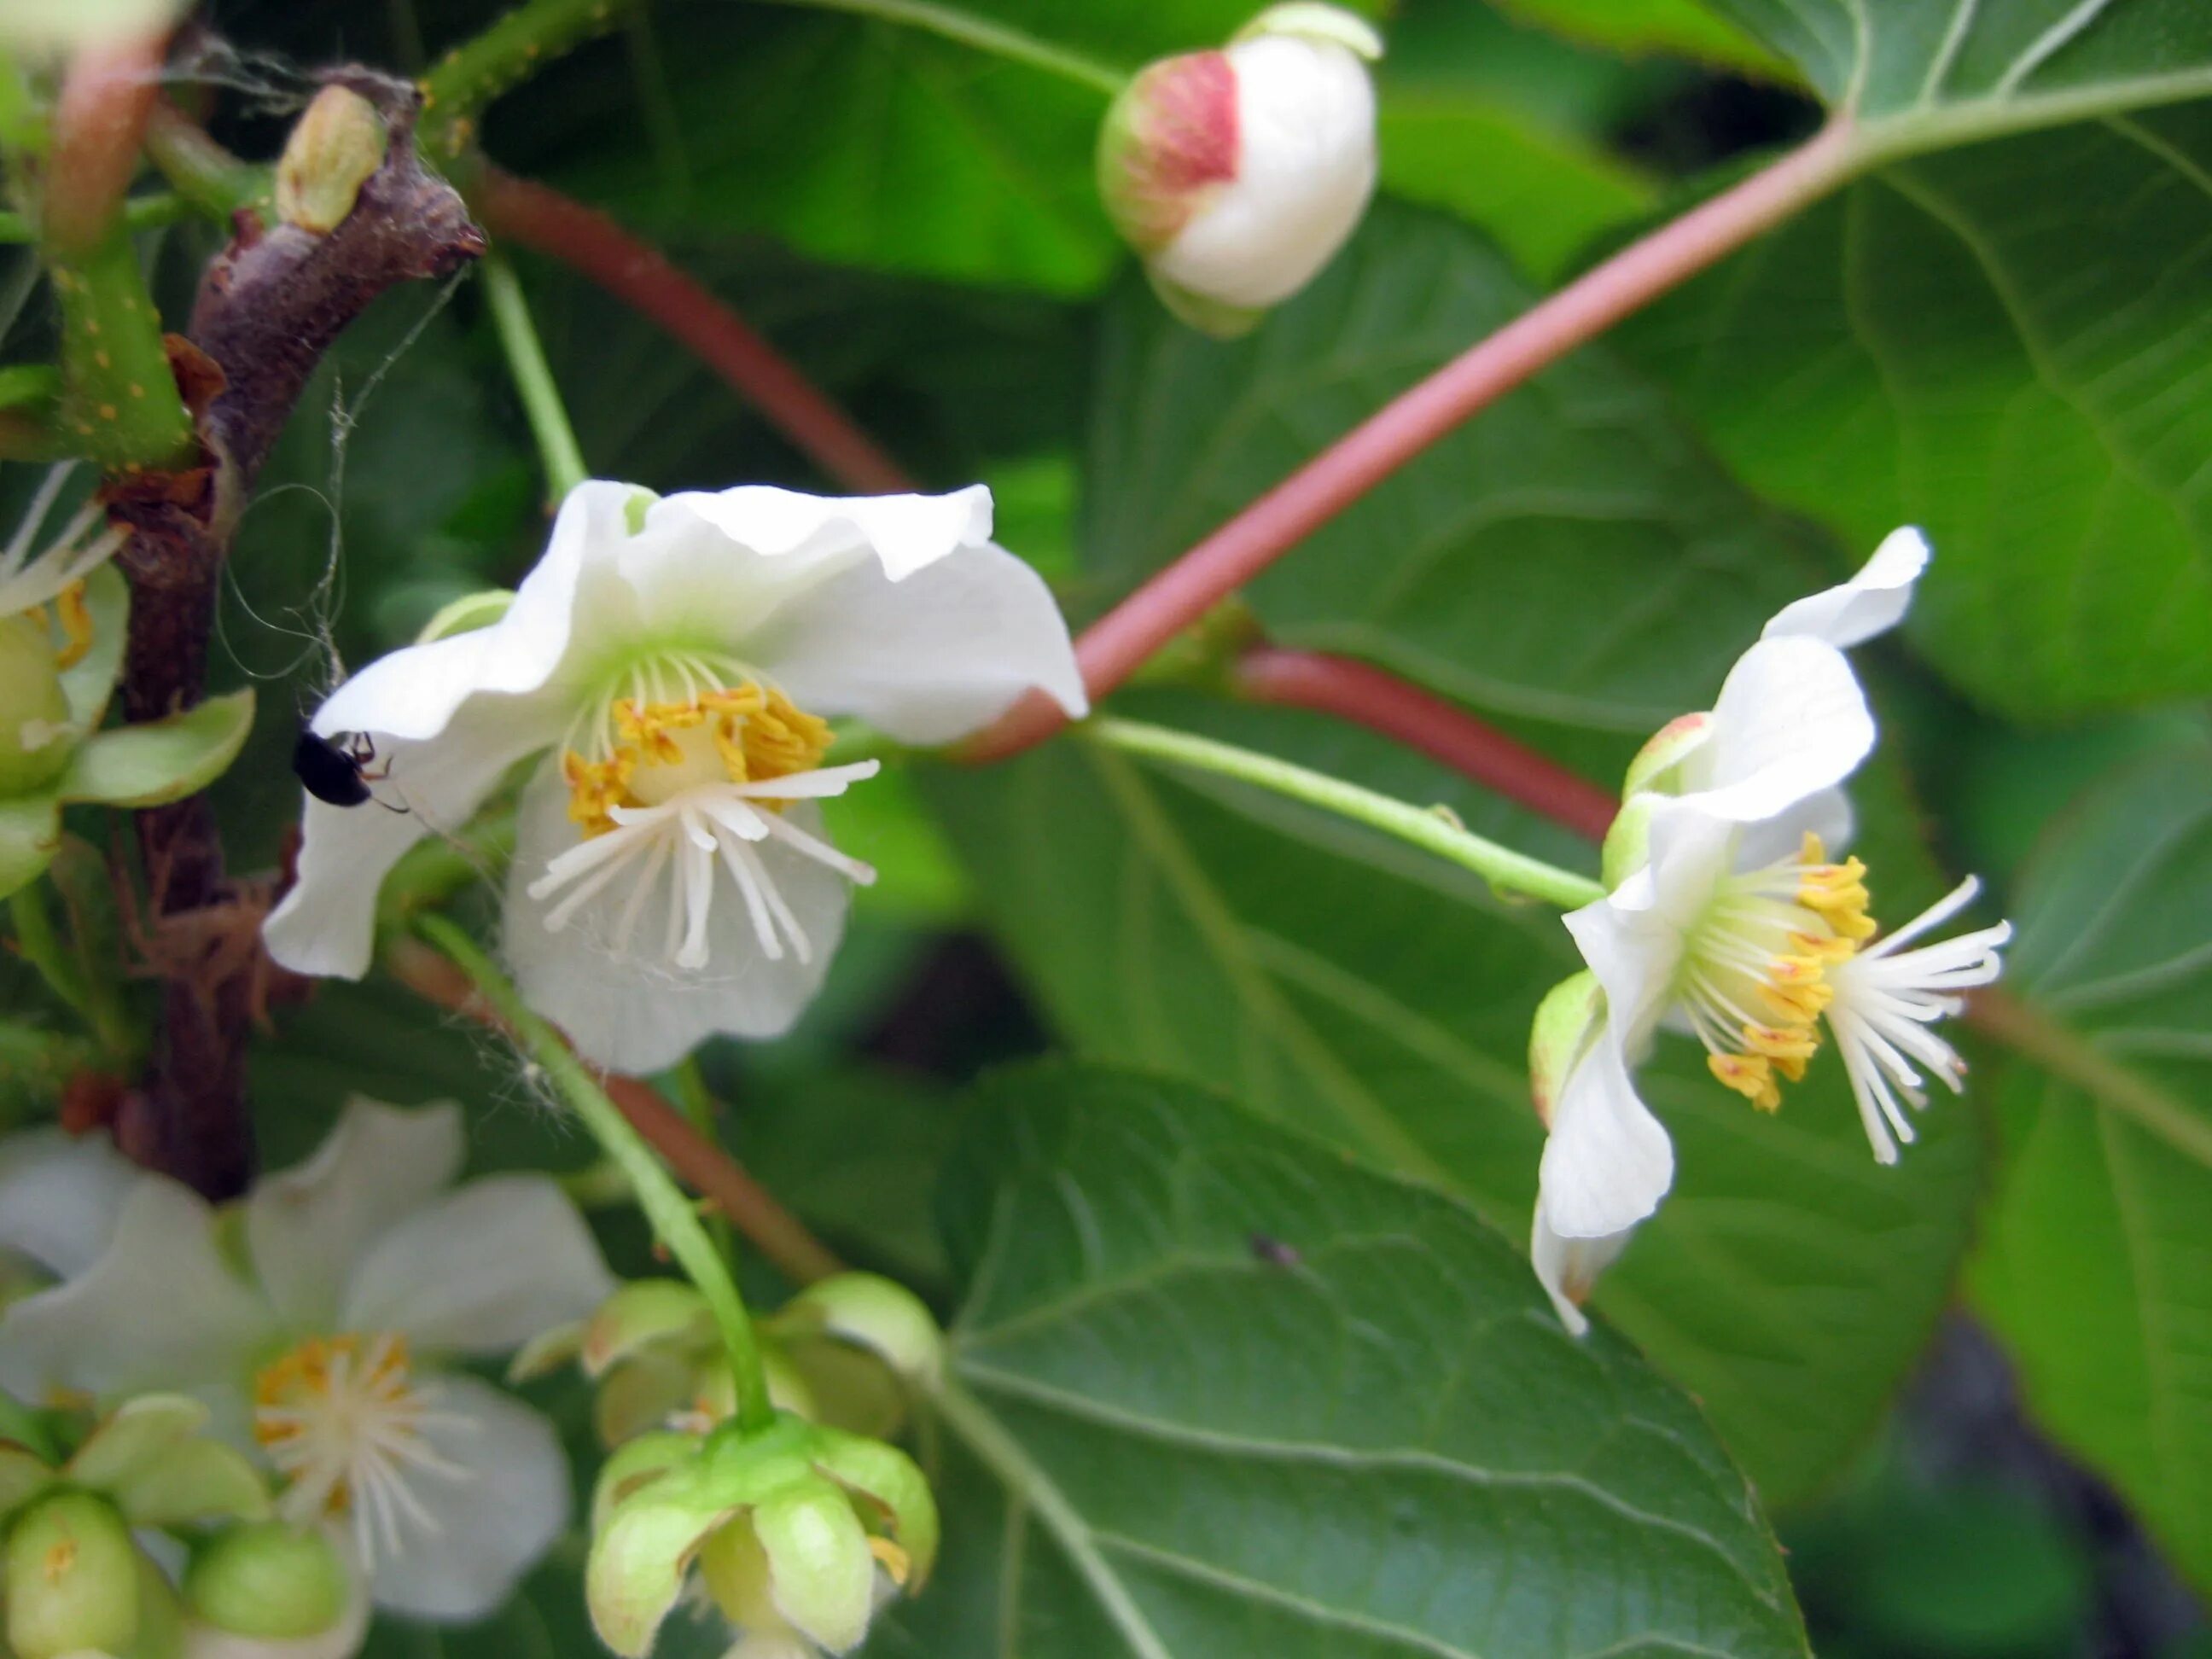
x=336 y=768
x=1272 y=1250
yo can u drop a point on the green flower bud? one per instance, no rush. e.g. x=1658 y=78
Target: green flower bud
x=161 y=1616
x=267 y=1579
x=72 y=1579
x=338 y=140
x=36 y=736
x=1653 y=768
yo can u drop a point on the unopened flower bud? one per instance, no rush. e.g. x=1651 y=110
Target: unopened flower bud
x=1237 y=173
x=337 y=142
x=34 y=714
x=269 y=1580
x=72 y=1579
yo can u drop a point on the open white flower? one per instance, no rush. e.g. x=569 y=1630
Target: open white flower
x=362 y=1265
x=671 y=659
x=1732 y=922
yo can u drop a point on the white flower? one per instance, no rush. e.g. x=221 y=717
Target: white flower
x=59 y=1197
x=1238 y=173
x=31 y=577
x=670 y=661
x=1733 y=923
x=361 y=1266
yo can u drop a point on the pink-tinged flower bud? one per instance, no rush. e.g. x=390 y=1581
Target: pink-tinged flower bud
x=1237 y=173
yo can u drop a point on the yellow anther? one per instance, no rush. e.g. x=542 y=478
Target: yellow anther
x=895 y=1561
x=1788 y=1047
x=309 y=1369
x=757 y=732
x=75 y=618
x=1750 y=1077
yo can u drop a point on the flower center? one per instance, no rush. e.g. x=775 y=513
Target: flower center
x=648 y=750
x=345 y=1419
x=1753 y=981
x=683 y=768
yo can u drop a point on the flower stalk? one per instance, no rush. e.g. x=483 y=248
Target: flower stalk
x=1425 y=828
x=533 y=379
x=675 y=1223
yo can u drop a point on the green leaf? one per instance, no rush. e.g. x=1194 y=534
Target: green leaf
x=162 y=760
x=873 y=144
x=1341 y=983
x=1921 y=73
x=1544 y=195
x=1683 y=28
x=1239 y=1397
x=2022 y=383
x=2095 y=1266
x=1572 y=555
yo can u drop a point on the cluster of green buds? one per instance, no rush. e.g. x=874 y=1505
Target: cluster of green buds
x=63 y=614
x=77 y=1582
x=796 y=1529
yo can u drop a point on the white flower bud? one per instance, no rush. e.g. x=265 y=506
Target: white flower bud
x=1238 y=173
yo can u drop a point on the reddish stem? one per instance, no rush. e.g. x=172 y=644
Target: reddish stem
x=98 y=121
x=1368 y=696
x=1114 y=646
x=641 y=275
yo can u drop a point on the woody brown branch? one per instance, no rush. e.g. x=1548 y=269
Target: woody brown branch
x=269 y=306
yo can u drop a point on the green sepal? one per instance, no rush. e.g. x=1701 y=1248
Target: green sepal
x=1216 y=318
x=30 y=832
x=1627 y=841
x=23 y=1475
x=135 y=1430
x=888 y=1483
x=72 y=1579
x=821 y=1572
x=635 y=1464
x=89 y=682
x=466 y=614
x=639 y=1556
x=1565 y=1020
x=268 y=1581
x=163 y=760
x=643 y=1314
x=199 y=1480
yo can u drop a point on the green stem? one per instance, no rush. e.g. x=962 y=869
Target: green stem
x=674 y=1221
x=1424 y=827
x=139 y=213
x=533 y=377
x=207 y=176
x=983 y=35
x=477 y=71
x=120 y=404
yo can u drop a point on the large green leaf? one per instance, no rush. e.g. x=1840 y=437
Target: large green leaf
x=1931 y=72
x=1236 y=1396
x=1570 y=555
x=2005 y=344
x=1341 y=983
x=2096 y=1265
x=1685 y=28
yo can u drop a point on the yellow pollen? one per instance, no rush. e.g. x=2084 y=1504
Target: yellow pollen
x=60 y=1558
x=757 y=733
x=75 y=618
x=1749 y=1076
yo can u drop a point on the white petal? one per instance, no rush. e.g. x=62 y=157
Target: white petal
x=1791 y=722
x=1634 y=937
x=59 y=1195
x=1608 y=1162
x=308 y=1226
x=933 y=657
x=491 y=1526
x=1305 y=168
x=1568 y=1268
x=628 y=1008
x=905 y=533
x=1871 y=603
x=327 y=923
x=1826 y=813
x=480 y=1271
x=416 y=693
x=159 y=1308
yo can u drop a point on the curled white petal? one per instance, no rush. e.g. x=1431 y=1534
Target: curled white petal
x=1870 y=603
x=1607 y=1161
x=60 y=1197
